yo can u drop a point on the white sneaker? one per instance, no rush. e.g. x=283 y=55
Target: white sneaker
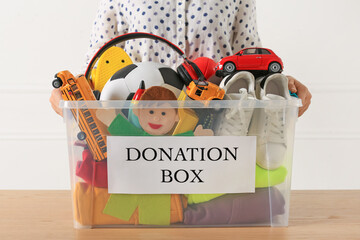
x=238 y=86
x=269 y=123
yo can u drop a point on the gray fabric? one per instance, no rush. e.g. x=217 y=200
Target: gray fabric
x=241 y=208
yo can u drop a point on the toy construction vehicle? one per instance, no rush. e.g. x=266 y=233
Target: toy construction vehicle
x=202 y=90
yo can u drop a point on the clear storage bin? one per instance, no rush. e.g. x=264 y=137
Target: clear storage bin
x=213 y=183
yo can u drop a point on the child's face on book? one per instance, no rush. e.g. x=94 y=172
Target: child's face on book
x=157 y=121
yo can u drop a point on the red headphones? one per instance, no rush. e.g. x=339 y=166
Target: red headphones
x=201 y=69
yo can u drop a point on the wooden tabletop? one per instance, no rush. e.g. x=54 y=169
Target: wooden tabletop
x=48 y=215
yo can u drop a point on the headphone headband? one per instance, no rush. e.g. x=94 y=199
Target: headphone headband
x=125 y=37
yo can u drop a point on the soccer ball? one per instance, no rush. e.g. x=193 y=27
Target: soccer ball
x=125 y=82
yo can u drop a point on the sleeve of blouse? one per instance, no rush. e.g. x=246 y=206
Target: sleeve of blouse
x=245 y=32
x=106 y=26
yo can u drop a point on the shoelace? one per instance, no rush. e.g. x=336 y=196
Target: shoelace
x=236 y=122
x=274 y=129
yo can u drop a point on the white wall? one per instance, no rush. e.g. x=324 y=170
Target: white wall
x=38 y=39
x=319 y=44
x=317 y=40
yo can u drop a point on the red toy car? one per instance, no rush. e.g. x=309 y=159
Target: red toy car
x=250 y=59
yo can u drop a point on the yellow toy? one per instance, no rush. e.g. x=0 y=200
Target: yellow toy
x=187 y=121
x=182 y=96
x=92 y=130
x=109 y=63
x=188 y=118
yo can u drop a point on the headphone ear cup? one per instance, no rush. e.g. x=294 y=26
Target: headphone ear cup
x=185 y=74
x=201 y=68
x=206 y=66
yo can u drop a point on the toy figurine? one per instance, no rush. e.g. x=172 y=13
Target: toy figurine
x=154 y=121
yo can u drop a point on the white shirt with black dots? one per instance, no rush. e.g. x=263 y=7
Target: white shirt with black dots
x=210 y=28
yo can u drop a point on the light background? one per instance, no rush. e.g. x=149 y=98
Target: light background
x=317 y=40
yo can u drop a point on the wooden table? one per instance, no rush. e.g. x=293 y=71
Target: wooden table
x=48 y=215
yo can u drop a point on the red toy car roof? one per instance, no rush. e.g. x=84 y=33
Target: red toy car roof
x=271 y=51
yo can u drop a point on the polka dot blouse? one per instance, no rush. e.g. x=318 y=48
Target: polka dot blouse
x=211 y=28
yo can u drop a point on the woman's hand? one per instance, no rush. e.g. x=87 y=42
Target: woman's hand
x=55 y=100
x=302 y=91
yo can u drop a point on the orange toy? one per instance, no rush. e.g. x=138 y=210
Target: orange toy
x=89 y=203
x=92 y=130
x=202 y=90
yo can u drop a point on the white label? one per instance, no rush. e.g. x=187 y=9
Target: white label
x=180 y=165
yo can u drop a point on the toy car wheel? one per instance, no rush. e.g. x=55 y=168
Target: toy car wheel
x=81 y=136
x=57 y=83
x=274 y=67
x=229 y=67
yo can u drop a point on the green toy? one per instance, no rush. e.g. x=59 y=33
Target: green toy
x=153 y=208
x=263 y=178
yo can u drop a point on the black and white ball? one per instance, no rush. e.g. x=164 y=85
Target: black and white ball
x=125 y=82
